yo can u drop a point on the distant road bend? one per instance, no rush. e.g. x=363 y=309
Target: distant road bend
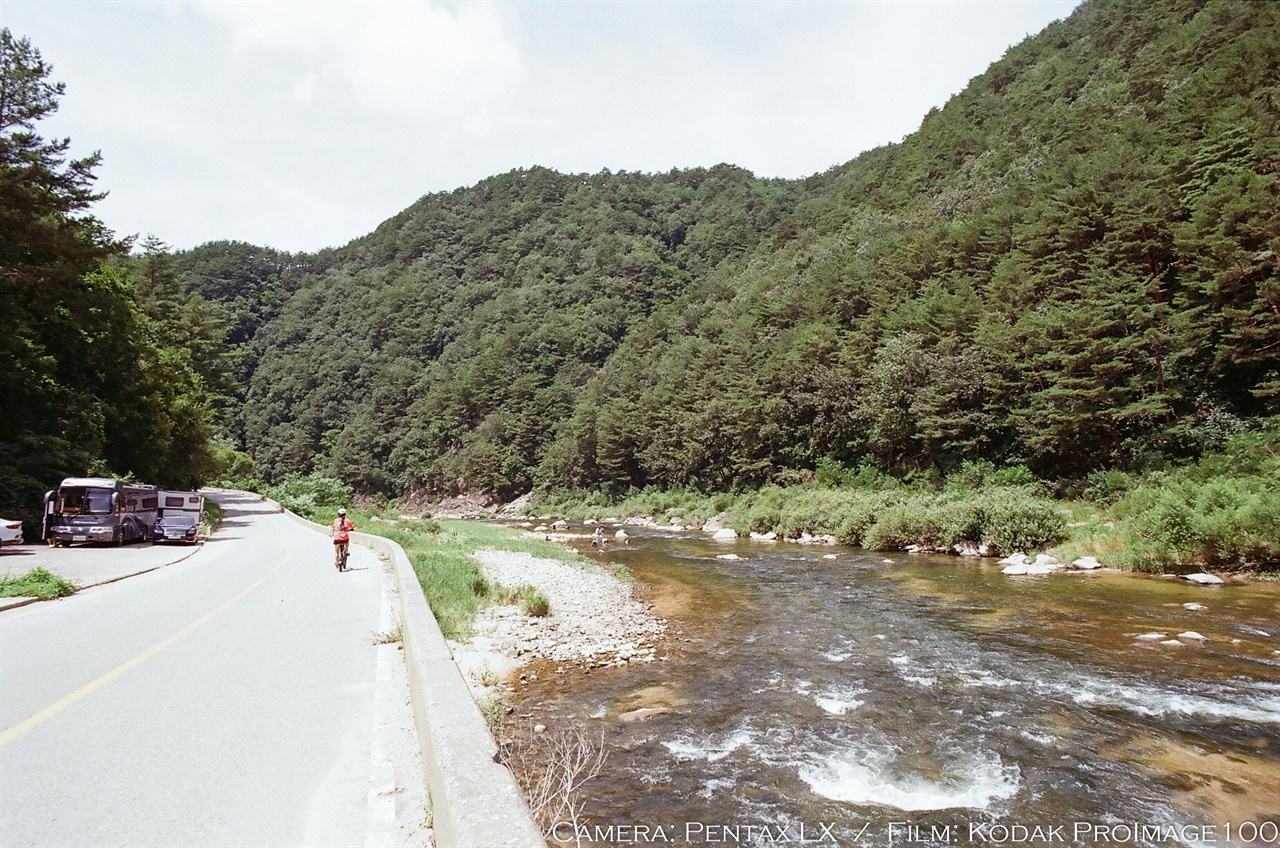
x=224 y=700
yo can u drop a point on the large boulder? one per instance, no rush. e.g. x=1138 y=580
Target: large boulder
x=1086 y=564
x=969 y=548
x=716 y=522
x=1041 y=565
x=725 y=534
x=1204 y=579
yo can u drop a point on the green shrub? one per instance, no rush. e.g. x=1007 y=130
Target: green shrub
x=536 y=604
x=1226 y=521
x=37 y=583
x=314 y=496
x=856 y=519
x=1014 y=475
x=899 y=526
x=1106 y=487
x=1016 y=521
x=959 y=520
x=527 y=597
x=212 y=513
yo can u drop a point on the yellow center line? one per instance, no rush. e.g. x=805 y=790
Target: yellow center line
x=93 y=686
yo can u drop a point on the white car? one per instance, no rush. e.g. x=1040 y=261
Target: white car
x=10 y=532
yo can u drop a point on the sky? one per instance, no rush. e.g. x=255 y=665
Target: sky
x=303 y=125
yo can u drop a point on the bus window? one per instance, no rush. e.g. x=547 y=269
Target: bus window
x=84 y=502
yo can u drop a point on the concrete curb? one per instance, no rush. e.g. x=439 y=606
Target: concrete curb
x=475 y=800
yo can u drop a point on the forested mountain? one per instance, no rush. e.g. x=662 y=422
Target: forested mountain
x=1072 y=265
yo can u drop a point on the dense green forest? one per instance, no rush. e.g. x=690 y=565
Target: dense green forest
x=106 y=364
x=1072 y=267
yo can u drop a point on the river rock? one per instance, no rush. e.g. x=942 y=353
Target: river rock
x=716 y=522
x=969 y=548
x=1194 y=607
x=1151 y=637
x=1041 y=565
x=725 y=534
x=1015 y=559
x=1044 y=561
x=1086 y=564
x=642 y=714
x=1171 y=642
x=828 y=556
x=1204 y=579
x=731 y=557
x=1191 y=636
x=764 y=537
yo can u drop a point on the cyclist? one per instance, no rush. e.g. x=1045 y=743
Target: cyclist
x=342 y=528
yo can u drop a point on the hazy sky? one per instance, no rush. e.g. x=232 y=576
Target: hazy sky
x=301 y=125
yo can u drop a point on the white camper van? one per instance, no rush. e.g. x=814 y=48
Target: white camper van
x=179 y=520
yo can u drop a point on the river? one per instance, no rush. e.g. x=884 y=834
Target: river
x=872 y=699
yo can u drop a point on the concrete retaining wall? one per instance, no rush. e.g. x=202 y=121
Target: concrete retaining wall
x=475 y=801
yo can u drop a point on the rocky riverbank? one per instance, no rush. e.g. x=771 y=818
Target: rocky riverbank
x=596 y=620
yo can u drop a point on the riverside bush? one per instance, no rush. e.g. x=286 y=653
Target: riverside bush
x=1014 y=520
x=902 y=525
x=1231 y=521
x=1222 y=511
x=313 y=495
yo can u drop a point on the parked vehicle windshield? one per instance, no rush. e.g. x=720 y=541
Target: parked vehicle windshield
x=84 y=502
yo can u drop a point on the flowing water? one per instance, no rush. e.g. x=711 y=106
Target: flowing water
x=926 y=701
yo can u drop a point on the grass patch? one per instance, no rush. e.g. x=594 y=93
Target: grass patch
x=37 y=583
x=442 y=555
x=528 y=598
x=389 y=637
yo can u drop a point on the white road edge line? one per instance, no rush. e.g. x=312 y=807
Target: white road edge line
x=381 y=816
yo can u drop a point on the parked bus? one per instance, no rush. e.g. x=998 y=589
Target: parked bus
x=99 y=509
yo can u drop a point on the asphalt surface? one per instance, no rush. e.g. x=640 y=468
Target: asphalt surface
x=89 y=565
x=225 y=699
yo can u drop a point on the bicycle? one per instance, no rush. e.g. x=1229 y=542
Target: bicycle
x=340 y=554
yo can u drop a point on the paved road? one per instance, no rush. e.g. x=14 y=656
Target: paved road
x=227 y=699
x=89 y=565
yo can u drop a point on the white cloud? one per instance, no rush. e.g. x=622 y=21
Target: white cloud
x=305 y=124
x=394 y=57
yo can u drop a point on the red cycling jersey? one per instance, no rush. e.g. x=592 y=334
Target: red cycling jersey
x=342 y=528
